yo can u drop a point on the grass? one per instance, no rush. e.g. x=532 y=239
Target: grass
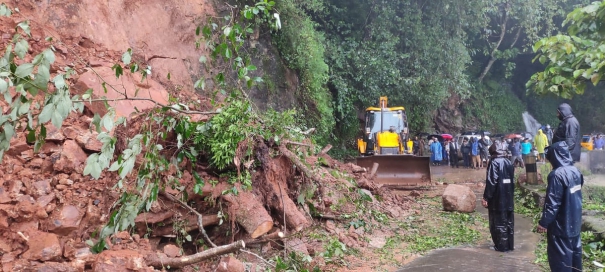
x=435 y=228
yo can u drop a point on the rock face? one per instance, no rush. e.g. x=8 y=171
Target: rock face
x=118 y=260
x=459 y=198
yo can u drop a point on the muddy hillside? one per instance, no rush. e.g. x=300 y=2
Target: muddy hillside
x=168 y=206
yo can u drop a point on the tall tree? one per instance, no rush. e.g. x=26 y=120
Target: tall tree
x=512 y=25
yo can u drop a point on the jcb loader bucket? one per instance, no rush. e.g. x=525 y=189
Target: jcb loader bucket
x=399 y=170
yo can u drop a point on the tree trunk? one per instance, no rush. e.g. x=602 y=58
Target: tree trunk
x=250 y=213
x=492 y=56
x=273 y=183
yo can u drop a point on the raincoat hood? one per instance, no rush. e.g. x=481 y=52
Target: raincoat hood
x=565 y=111
x=540 y=132
x=558 y=155
x=497 y=150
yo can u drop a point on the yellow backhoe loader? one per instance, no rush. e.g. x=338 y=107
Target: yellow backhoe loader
x=384 y=142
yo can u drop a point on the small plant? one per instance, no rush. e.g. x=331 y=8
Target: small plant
x=334 y=251
x=294 y=262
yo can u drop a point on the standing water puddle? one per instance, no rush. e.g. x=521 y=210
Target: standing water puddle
x=482 y=258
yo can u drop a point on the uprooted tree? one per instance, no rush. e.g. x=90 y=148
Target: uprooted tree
x=155 y=151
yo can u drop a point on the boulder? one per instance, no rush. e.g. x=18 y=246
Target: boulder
x=66 y=221
x=459 y=198
x=72 y=158
x=118 y=260
x=43 y=246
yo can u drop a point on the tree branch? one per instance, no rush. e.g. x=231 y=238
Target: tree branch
x=492 y=57
x=160 y=260
x=200 y=220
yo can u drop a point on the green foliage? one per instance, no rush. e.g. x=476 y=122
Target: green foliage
x=294 y=262
x=21 y=81
x=493 y=107
x=455 y=229
x=573 y=59
x=302 y=48
x=593 y=251
x=334 y=251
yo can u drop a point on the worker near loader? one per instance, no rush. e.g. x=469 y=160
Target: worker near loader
x=562 y=213
x=540 y=142
x=498 y=197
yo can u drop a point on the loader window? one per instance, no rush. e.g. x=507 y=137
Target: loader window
x=391 y=118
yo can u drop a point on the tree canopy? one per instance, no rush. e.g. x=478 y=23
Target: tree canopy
x=573 y=59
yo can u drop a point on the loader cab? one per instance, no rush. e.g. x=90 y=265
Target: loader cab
x=379 y=121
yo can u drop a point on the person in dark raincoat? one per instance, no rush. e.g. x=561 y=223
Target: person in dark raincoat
x=568 y=131
x=562 y=214
x=498 y=198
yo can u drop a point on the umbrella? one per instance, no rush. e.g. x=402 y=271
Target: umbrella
x=447 y=137
x=513 y=136
x=439 y=137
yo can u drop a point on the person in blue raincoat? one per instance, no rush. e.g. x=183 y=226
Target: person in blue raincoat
x=562 y=213
x=436 y=152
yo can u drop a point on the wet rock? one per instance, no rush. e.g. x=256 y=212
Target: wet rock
x=26 y=206
x=296 y=245
x=378 y=240
x=14 y=188
x=78 y=251
x=40 y=188
x=118 y=260
x=4 y=196
x=5 y=246
x=172 y=250
x=70 y=132
x=230 y=264
x=58 y=267
x=26 y=227
x=26 y=155
x=37 y=163
x=8 y=260
x=43 y=246
x=72 y=158
x=3 y=220
x=330 y=226
x=88 y=140
x=53 y=134
x=50 y=147
x=66 y=221
x=45 y=200
x=18 y=145
x=66 y=181
x=459 y=198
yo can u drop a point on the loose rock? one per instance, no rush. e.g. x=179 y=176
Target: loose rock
x=459 y=198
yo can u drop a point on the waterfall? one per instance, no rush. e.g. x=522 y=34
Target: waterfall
x=531 y=124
